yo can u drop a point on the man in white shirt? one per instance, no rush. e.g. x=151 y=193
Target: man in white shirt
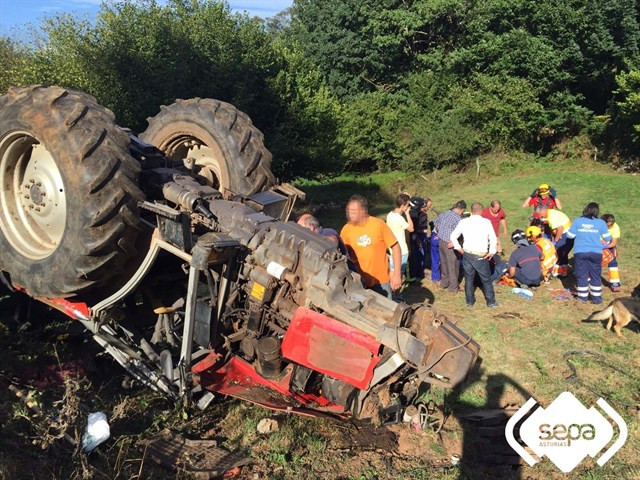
x=479 y=240
x=399 y=221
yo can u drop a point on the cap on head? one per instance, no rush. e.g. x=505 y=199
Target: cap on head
x=416 y=203
x=544 y=188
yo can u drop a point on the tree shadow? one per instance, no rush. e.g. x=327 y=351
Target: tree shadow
x=485 y=451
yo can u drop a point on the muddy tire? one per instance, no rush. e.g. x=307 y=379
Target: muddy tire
x=68 y=205
x=228 y=150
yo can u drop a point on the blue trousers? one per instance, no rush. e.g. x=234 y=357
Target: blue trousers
x=563 y=247
x=474 y=265
x=588 y=268
x=435 y=258
x=417 y=260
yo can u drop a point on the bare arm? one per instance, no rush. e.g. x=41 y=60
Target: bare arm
x=558 y=203
x=558 y=233
x=396 y=279
x=526 y=202
x=613 y=242
x=503 y=222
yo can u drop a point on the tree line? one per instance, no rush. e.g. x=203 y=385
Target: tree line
x=361 y=84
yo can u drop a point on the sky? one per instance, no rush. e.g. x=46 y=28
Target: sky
x=14 y=14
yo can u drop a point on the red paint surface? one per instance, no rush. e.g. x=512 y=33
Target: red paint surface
x=239 y=379
x=331 y=347
x=73 y=310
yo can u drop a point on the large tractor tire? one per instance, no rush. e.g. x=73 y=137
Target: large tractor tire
x=228 y=151
x=68 y=201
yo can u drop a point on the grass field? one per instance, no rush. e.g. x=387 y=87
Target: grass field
x=523 y=344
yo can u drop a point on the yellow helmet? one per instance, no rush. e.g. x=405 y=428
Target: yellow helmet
x=533 y=231
x=544 y=188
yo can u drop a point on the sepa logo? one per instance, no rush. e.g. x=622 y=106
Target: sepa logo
x=566 y=432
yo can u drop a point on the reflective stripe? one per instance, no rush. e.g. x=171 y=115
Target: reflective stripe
x=596 y=294
x=596 y=287
x=580 y=289
x=583 y=294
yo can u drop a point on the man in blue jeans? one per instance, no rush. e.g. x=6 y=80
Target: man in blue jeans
x=479 y=247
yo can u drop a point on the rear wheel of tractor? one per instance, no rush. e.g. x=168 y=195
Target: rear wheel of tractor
x=68 y=199
x=228 y=150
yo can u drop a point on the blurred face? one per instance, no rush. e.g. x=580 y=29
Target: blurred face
x=495 y=209
x=427 y=206
x=356 y=215
x=609 y=224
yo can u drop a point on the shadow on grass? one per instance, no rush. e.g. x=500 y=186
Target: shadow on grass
x=485 y=452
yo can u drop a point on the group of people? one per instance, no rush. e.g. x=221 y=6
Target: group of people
x=387 y=253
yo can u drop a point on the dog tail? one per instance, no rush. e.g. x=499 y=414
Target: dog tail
x=601 y=315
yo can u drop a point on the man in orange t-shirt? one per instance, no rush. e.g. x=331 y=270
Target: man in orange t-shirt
x=367 y=240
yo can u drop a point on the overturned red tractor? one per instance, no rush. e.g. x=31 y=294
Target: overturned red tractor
x=174 y=251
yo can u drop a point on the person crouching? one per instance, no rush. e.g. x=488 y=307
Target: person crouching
x=524 y=262
x=548 y=250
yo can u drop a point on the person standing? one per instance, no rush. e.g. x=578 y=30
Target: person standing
x=400 y=222
x=445 y=224
x=367 y=240
x=418 y=254
x=497 y=216
x=479 y=247
x=590 y=235
x=612 y=251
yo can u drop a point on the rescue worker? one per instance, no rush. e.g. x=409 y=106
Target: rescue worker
x=612 y=252
x=543 y=196
x=524 y=262
x=559 y=224
x=591 y=236
x=549 y=256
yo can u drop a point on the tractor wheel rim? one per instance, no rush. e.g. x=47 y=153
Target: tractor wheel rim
x=33 y=205
x=206 y=158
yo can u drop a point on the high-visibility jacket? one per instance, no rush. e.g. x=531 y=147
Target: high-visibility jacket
x=549 y=257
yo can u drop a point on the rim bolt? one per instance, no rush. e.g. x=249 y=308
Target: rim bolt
x=37 y=209
x=26 y=196
x=31 y=207
x=31 y=180
x=39 y=184
x=44 y=194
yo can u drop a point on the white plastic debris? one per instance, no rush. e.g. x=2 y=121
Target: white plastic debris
x=267 y=425
x=97 y=431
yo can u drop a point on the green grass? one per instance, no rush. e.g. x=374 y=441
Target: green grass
x=523 y=357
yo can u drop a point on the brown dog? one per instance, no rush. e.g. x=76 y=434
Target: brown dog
x=621 y=311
